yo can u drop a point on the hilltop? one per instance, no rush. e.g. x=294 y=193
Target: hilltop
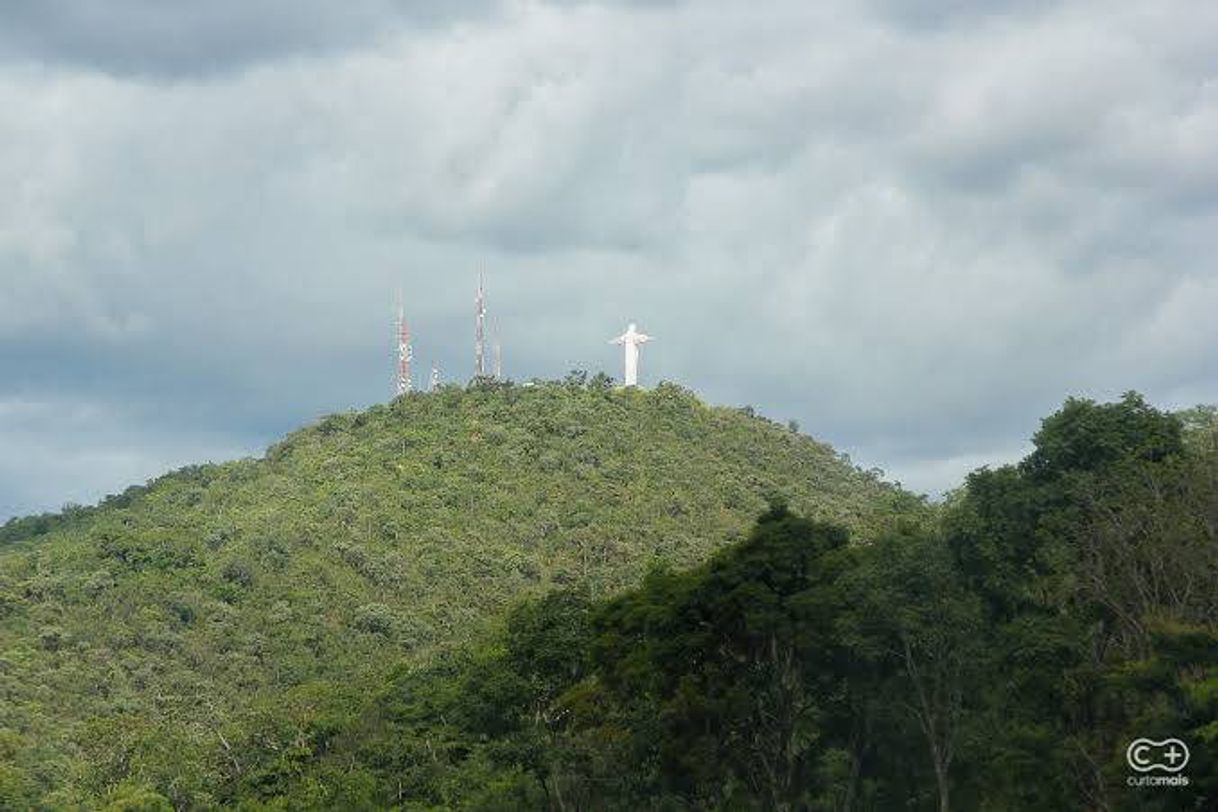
x=221 y=609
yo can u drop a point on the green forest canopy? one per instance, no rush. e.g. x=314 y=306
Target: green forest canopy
x=208 y=613
x=557 y=597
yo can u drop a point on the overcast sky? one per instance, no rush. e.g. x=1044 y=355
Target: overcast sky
x=914 y=227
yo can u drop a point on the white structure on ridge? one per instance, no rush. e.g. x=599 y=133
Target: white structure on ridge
x=405 y=355
x=480 y=331
x=632 y=338
x=434 y=383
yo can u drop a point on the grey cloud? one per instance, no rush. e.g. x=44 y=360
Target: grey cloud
x=62 y=451
x=914 y=239
x=931 y=15
x=175 y=39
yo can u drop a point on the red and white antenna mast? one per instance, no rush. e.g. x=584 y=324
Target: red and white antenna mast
x=405 y=354
x=479 y=331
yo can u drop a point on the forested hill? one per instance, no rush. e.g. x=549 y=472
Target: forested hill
x=179 y=632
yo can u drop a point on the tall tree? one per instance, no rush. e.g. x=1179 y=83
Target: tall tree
x=910 y=612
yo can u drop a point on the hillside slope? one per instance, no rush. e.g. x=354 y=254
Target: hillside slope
x=169 y=633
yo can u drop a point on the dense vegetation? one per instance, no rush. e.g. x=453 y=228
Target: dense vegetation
x=209 y=637
x=551 y=598
x=1002 y=659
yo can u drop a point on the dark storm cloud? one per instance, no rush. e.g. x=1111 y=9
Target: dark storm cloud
x=913 y=231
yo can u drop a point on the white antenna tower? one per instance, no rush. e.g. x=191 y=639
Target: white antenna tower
x=405 y=353
x=479 y=331
x=498 y=361
x=434 y=383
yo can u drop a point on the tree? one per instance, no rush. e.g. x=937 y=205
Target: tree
x=1080 y=554
x=134 y=797
x=910 y=612
x=717 y=671
x=1086 y=436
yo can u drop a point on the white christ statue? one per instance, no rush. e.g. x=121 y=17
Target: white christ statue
x=632 y=338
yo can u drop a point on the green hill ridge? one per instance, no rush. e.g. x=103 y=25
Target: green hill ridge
x=154 y=636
